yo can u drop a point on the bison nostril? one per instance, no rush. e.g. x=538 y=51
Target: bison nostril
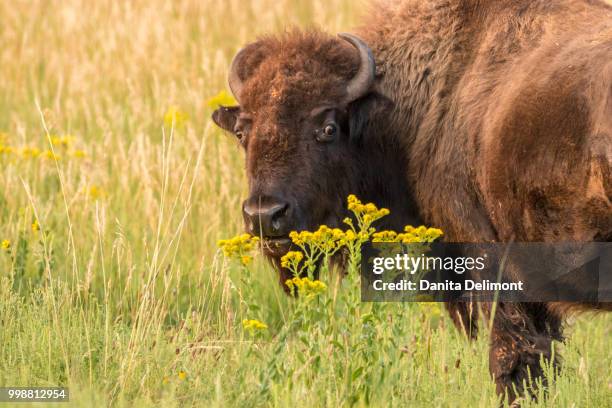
x=275 y=225
x=277 y=218
x=266 y=217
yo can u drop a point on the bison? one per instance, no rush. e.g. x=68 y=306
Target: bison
x=489 y=119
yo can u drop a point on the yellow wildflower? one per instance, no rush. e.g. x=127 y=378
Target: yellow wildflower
x=6 y=150
x=95 y=192
x=432 y=234
x=35 y=226
x=384 y=236
x=253 y=325
x=48 y=154
x=291 y=259
x=6 y=244
x=306 y=286
x=325 y=238
x=61 y=141
x=410 y=235
x=350 y=236
x=370 y=208
x=175 y=117
x=246 y=259
x=419 y=234
x=299 y=238
x=365 y=214
x=30 y=152
x=357 y=207
x=221 y=99
x=430 y=309
x=182 y=375
x=238 y=246
x=79 y=154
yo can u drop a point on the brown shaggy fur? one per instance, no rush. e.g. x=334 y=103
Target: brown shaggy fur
x=489 y=119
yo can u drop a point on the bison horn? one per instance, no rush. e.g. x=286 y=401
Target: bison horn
x=361 y=83
x=234 y=80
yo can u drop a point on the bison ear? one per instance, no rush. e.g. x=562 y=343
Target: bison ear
x=359 y=112
x=225 y=117
x=362 y=110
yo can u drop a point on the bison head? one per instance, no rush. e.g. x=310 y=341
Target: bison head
x=304 y=102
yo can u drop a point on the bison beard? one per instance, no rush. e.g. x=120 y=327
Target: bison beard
x=489 y=119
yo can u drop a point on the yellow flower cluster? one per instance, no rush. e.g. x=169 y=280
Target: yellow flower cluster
x=246 y=259
x=32 y=152
x=237 y=246
x=221 y=99
x=306 y=286
x=6 y=245
x=28 y=152
x=385 y=236
x=181 y=375
x=368 y=213
x=410 y=235
x=48 y=154
x=175 y=117
x=95 y=192
x=6 y=150
x=291 y=259
x=253 y=325
x=430 y=308
x=62 y=141
x=325 y=238
x=35 y=226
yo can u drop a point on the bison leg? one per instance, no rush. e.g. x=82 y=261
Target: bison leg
x=465 y=317
x=521 y=337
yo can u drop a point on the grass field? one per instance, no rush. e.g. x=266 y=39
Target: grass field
x=115 y=188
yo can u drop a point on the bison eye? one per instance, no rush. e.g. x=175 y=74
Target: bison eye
x=328 y=133
x=239 y=131
x=330 y=130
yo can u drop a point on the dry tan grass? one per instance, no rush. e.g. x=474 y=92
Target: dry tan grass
x=106 y=72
